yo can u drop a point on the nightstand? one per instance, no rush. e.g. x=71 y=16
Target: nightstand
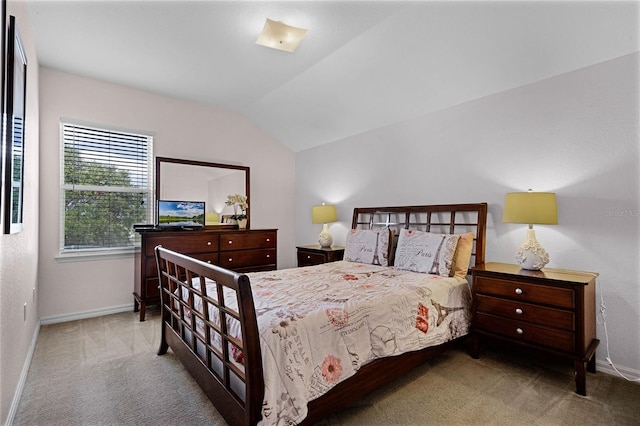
x=551 y=310
x=315 y=255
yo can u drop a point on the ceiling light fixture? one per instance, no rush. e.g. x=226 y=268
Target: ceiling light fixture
x=277 y=35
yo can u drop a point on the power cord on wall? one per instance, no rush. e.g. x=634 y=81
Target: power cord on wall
x=603 y=322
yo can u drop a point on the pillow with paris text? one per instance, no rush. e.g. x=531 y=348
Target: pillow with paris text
x=425 y=252
x=370 y=246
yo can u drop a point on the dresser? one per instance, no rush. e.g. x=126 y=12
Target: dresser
x=316 y=255
x=239 y=250
x=551 y=310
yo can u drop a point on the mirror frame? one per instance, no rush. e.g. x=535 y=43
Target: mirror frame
x=160 y=160
x=14 y=129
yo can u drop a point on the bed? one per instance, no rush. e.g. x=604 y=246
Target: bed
x=296 y=345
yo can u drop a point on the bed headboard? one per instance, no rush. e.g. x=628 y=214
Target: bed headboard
x=442 y=219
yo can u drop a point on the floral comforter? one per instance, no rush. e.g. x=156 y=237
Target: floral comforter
x=319 y=324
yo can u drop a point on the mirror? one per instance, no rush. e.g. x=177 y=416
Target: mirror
x=189 y=180
x=14 y=132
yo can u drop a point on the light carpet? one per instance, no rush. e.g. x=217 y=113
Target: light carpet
x=105 y=371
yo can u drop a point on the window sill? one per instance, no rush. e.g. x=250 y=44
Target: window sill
x=87 y=255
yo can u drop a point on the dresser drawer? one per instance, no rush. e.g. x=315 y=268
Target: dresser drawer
x=244 y=258
x=525 y=332
x=306 y=258
x=193 y=243
x=547 y=295
x=152 y=267
x=212 y=258
x=521 y=311
x=247 y=240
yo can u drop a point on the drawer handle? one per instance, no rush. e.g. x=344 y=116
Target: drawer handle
x=519 y=311
x=268 y=256
x=208 y=261
x=268 y=239
x=231 y=259
x=519 y=290
x=230 y=242
x=308 y=257
x=208 y=243
x=519 y=330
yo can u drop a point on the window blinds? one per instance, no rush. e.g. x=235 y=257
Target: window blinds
x=106 y=186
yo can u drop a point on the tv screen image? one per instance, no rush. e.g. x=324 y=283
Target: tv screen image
x=180 y=213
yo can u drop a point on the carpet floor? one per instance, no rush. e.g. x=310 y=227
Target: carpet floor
x=105 y=371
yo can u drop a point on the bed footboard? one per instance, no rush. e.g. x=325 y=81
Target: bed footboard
x=209 y=322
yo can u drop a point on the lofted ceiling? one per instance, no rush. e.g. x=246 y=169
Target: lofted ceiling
x=362 y=64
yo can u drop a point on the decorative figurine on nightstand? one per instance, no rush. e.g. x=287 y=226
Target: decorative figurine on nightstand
x=531 y=207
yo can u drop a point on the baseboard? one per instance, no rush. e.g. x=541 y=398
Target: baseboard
x=23 y=377
x=86 y=314
x=629 y=373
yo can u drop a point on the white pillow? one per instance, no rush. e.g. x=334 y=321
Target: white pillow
x=368 y=246
x=425 y=252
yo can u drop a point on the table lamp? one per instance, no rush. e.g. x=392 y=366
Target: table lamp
x=324 y=214
x=531 y=208
x=211 y=218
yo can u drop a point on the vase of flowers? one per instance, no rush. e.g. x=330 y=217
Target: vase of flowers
x=240 y=205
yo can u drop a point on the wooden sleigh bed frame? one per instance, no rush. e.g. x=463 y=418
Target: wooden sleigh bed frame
x=238 y=394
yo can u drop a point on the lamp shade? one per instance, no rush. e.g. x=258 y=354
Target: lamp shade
x=324 y=214
x=530 y=208
x=211 y=218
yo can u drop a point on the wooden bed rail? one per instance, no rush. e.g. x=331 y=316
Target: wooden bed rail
x=192 y=332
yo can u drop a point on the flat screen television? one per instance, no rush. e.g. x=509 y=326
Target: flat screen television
x=177 y=214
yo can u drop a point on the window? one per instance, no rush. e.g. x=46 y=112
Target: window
x=106 y=188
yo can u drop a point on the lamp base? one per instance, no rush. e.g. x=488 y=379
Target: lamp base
x=530 y=254
x=325 y=239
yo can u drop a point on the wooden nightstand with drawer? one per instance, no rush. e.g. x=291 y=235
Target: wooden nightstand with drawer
x=316 y=255
x=551 y=310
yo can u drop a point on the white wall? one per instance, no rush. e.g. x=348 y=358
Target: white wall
x=183 y=130
x=575 y=134
x=19 y=252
